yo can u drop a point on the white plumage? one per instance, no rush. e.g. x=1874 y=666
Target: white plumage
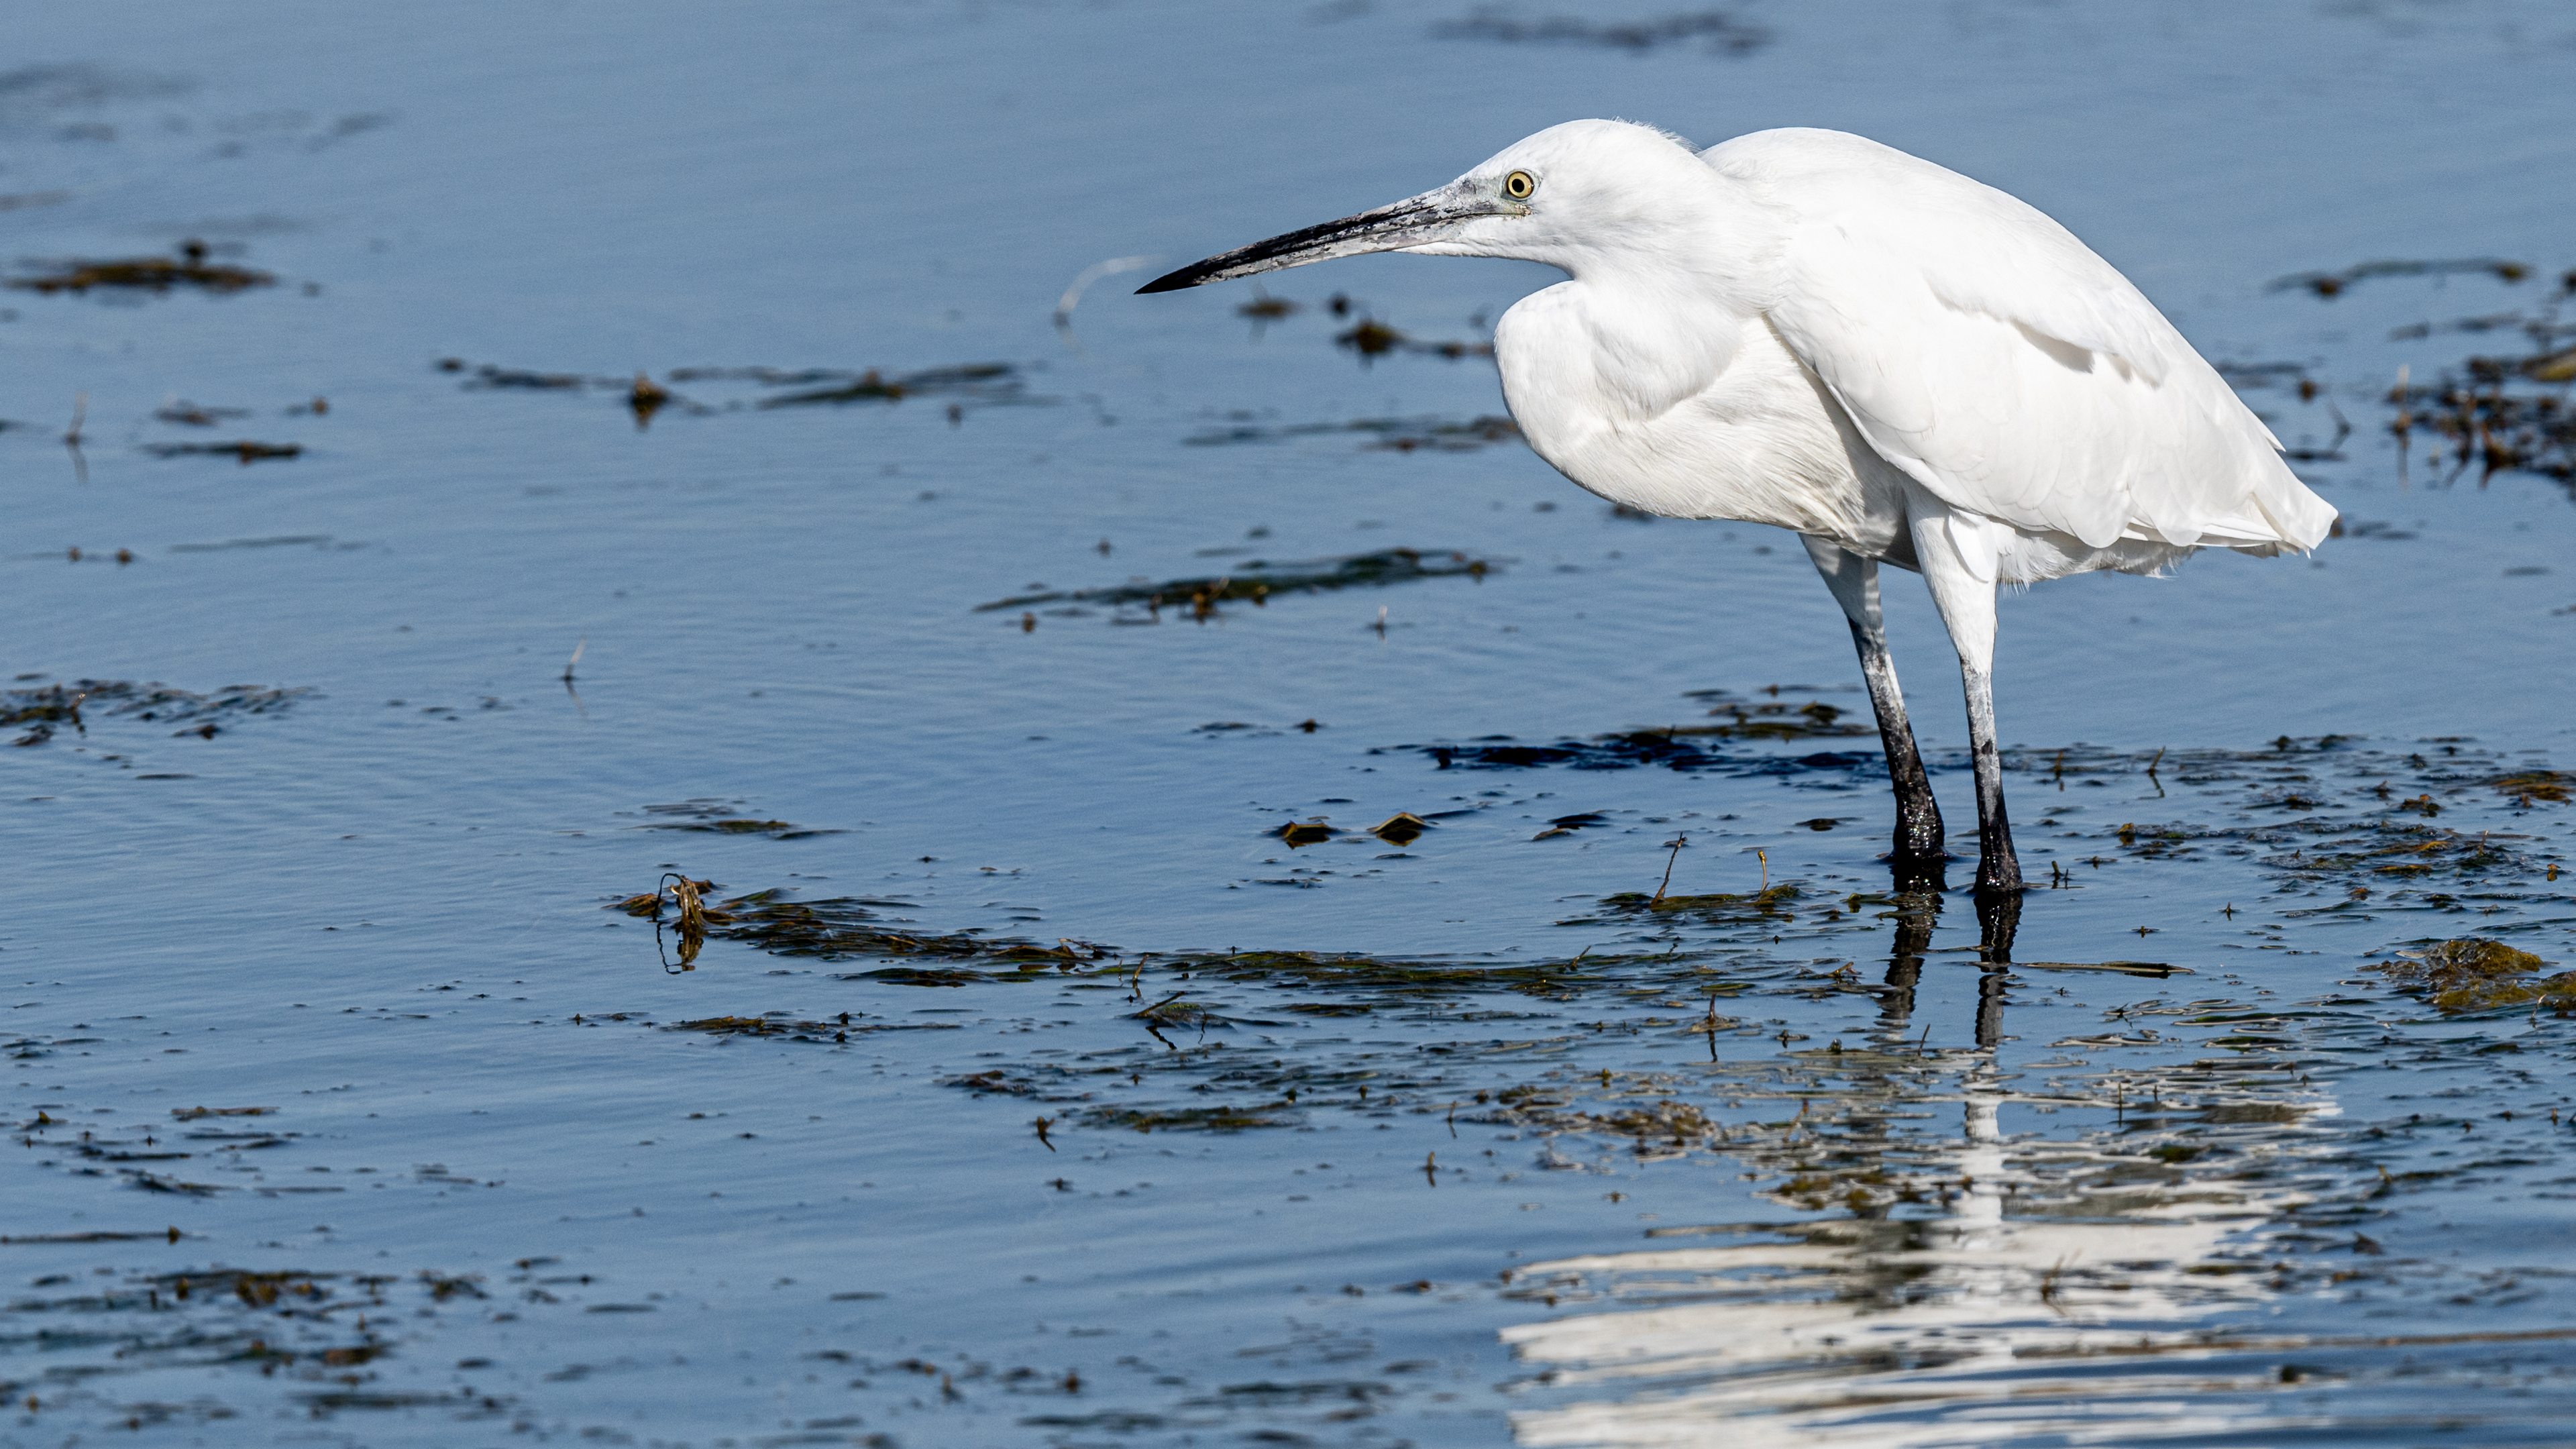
x=1809 y=329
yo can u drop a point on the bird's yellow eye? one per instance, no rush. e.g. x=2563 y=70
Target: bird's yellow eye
x=1519 y=185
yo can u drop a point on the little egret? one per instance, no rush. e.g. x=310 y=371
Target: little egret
x=1901 y=365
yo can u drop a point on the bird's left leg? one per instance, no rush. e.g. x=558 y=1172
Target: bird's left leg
x=1959 y=565
x=1854 y=581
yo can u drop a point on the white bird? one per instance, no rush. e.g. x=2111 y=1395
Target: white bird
x=1901 y=365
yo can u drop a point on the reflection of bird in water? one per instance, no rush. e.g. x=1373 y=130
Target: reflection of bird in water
x=1986 y=1287
x=1903 y=366
x=2064 y=1292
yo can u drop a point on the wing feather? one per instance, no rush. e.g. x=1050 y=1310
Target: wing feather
x=1998 y=361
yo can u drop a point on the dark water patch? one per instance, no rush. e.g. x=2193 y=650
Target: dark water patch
x=1771 y=902
x=844 y=928
x=2335 y=284
x=490 y=375
x=283 y=540
x=1671 y=749
x=1258 y=580
x=244 y=451
x=1716 y=31
x=145 y=274
x=2541 y=330
x=713 y=817
x=784 y=1027
x=978 y=384
x=2255 y=376
x=1399 y=435
x=1681 y=746
x=984 y=381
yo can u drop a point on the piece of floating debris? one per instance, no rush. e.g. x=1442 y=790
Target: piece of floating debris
x=1394 y=435
x=1305 y=832
x=246 y=451
x=645 y=399
x=1258 y=580
x=2125 y=968
x=1400 y=829
x=2333 y=284
x=149 y=274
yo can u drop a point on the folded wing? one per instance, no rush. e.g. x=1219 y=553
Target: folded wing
x=1982 y=349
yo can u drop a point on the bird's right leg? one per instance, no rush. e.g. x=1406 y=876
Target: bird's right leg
x=1854 y=581
x=1959 y=564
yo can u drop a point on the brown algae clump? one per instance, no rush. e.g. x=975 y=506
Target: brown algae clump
x=2473 y=974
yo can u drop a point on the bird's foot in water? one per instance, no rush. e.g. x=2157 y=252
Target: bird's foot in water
x=1919 y=874
x=1998 y=921
x=1998 y=868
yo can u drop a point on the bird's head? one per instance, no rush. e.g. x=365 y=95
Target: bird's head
x=1569 y=191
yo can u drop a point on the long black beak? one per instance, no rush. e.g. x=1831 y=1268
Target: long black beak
x=1388 y=228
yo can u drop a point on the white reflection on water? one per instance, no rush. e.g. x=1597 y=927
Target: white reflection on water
x=1991 y=1322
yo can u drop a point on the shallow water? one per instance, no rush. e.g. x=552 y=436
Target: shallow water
x=1505 y=1156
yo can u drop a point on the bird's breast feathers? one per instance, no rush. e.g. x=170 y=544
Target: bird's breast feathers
x=1738 y=430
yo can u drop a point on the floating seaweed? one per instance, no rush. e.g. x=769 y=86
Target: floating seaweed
x=2473 y=974
x=148 y=274
x=2485 y=419
x=45 y=706
x=1373 y=339
x=1721 y=32
x=1259 y=580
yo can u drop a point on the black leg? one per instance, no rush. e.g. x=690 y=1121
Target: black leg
x=1918 y=906
x=1998 y=869
x=1854 y=581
